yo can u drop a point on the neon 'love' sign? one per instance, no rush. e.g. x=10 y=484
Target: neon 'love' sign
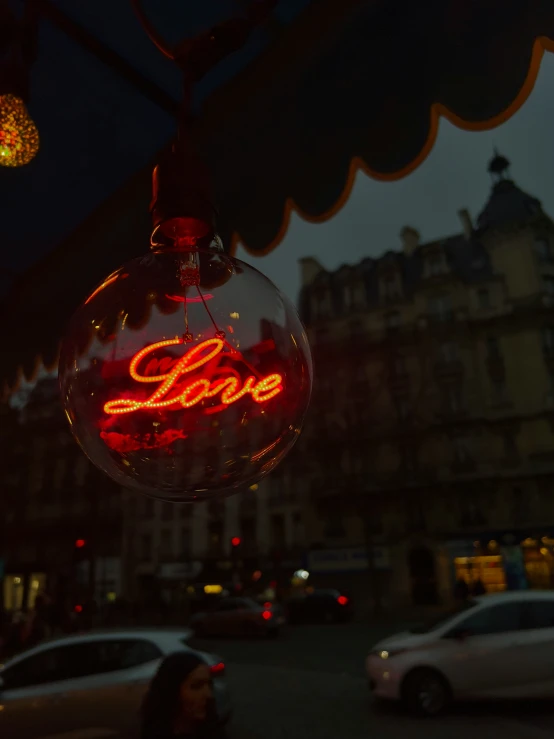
x=172 y=393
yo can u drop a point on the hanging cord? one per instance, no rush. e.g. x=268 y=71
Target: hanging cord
x=182 y=177
x=197 y=56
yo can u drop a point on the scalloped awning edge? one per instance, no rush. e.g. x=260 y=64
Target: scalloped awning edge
x=437 y=111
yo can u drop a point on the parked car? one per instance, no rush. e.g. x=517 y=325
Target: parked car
x=492 y=646
x=239 y=617
x=95 y=680
x=319 y=606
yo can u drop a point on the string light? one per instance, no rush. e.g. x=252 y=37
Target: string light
x=19 y=139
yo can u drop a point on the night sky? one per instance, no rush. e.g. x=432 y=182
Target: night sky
x=97 y=131
x=453 y=177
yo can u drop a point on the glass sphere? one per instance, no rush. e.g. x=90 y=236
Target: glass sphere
x=19 y=139
x=186 y=375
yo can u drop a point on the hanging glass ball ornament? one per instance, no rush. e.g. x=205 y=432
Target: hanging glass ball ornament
x=186 y=374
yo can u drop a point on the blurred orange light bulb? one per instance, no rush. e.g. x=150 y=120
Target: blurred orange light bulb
x=19 y=139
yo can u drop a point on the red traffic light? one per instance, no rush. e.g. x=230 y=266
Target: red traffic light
x=235 y=541
x=79 y=543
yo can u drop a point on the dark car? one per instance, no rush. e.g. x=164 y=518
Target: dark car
x=239 y=617
x=319 y=606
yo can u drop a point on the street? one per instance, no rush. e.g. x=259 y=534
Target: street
x=310 y=683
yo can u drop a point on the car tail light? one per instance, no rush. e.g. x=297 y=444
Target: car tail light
x=266 y=615
x=218 y=670
x=342 y=600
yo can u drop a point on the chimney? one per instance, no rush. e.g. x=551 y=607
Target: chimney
x=467 y=225
x=410 y=239
x=309 y=269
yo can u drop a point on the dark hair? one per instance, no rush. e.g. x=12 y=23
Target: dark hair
x=161 y=703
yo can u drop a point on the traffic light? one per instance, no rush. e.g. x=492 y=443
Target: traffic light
x=80 y=543
x=235 y=542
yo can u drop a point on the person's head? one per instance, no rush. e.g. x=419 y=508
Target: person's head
x=180 y=694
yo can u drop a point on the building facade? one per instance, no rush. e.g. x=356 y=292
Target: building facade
x=62 y=518
x=431 y=428
x=427 y=455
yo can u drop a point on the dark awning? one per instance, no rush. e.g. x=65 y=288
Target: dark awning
x=336 y=86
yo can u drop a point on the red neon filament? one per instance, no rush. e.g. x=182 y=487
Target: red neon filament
x=197 y=390
x=179 y=299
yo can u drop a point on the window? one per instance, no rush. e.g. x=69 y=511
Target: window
x=484 y=298
x=392 y=320
x=356 y=328
x=499 y=619
x=470 y=512
x=215 y=530
x=166 y=543
x=391 y=288
x=409 y=458
x=521 y=508
x=352 y=296
x=435 y=264
x=548 y=340
x=277 y=531
x=461 y=450
x=167 y=511
x=320 y=304
x=493 y=348
x=348 y=297
x=440 y=307
x=510 y=446
x=335 y=526
x=498 y=390
x=548 y=284
x=454 y=400
x=403 y=407
x=399 y=366
x=148 y=509
x=49 y=666
x=248 y=531
x=80 y=660
x=186 y=543
x=276 y=489
x=119 y=654
x=322 y=336
x=359 y=387
x=145 y=546
x=539 y=614
x=448 y=351
x=543 y=250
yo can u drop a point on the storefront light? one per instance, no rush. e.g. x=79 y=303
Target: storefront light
x=213 y=589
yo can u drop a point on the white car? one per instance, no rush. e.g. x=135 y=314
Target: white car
x=493 y=646
x=95 y=680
